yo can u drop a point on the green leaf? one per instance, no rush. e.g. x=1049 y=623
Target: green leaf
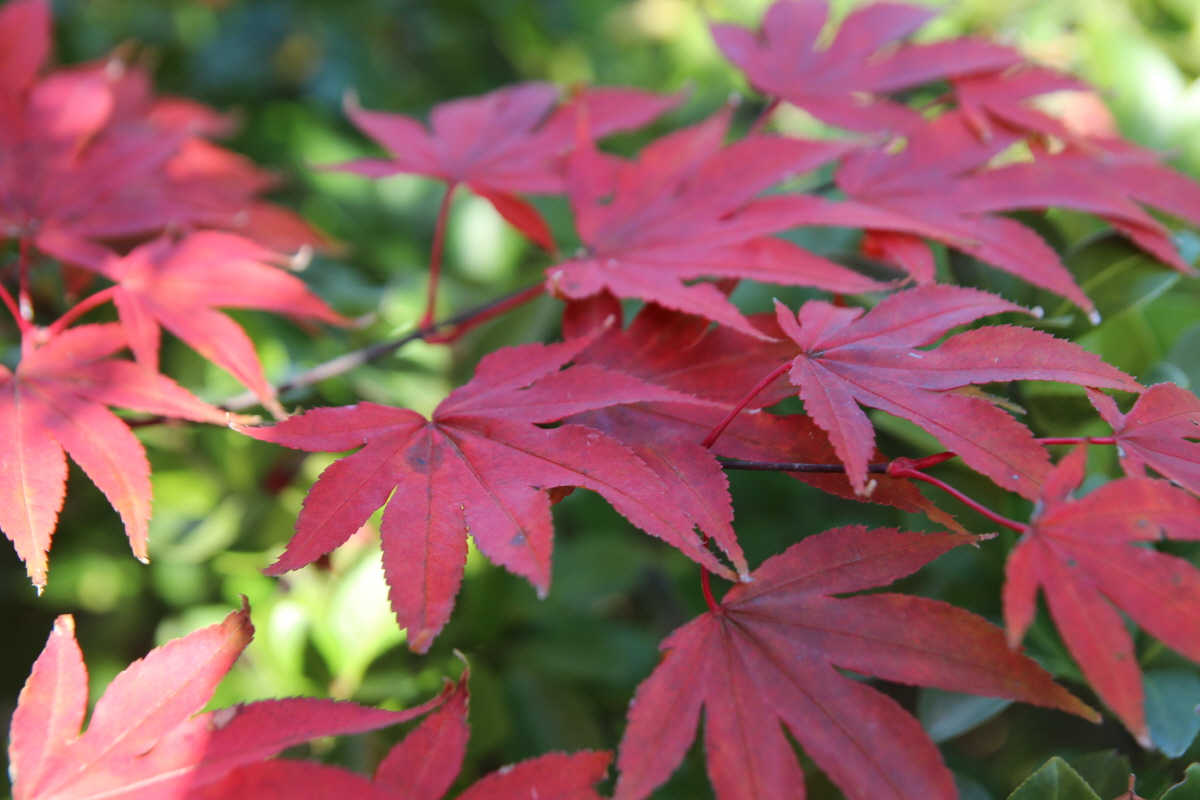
x=948 y=714
x=1171 y=699
x=1106 y=772
x=1188 y=788
x=1055 y=781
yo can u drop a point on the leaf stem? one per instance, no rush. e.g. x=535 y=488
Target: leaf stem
x=737 y=409
x=22 y=323
x=435 y=255
x=493 y=310
x=901 y=468
x=1079 y=440
x=706 y=585
x=794 y=466
x=79 y=309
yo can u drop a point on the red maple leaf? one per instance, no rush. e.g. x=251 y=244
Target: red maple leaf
x=422 y=767
x=936 y=187
x=25 y=29
x=683 y=210
x=52 y=406
x=685 y=353
x=1002 y=98
x=481 y=463
x=501 y=144
x=842 y=82
x=1084 y=555
x=1161 y=431
x=770 y=656
x=1109 y=178
x=92 y=155
x=178 y=285
x=146 y=739
x=849 y=358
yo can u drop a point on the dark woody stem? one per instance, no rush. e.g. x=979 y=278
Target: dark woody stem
x=901 y=468
x=348 y=361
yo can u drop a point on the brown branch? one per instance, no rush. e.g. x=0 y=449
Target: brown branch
x=790 y=466
x=348 y=361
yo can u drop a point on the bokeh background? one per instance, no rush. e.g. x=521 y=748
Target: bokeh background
x=556 y=674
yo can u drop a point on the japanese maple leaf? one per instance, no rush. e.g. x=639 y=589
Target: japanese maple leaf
x=1002 y=98
x=422 y=767
x=25 y=29
x=502 y=144
x=91 y=155
x=770 y=657
x=686 y=353
x=480 y=464
x=53 y=405
x=842 y=83
x=680 y=212
x=1109 y=178
x=1161 y=431
x=145 y=739
x=935 y=187
x=177 y=285
x=1084 y=554
x=874 y=359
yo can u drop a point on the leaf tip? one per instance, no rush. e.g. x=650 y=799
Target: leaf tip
x=1094 y=317
x=300 y=260
x=1037 y=312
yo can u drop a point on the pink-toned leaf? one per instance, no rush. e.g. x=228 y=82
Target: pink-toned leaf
x=177 y=285
x=51 y=706
x=53 y=406
x=686 y=209
x=425 y=764
x=850 y=359
x=844 y=81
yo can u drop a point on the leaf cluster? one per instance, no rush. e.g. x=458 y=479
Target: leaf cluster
x=936 y=160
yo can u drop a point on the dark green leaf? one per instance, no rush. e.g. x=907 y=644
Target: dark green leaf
x=1106 y=772
x=1055 y=781
x=1188 y=788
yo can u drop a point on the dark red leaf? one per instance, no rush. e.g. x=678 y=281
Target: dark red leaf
x=770 y=657
x=481 y=463
x=1084 y=555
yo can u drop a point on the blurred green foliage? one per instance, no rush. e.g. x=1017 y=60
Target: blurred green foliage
x=555 y=674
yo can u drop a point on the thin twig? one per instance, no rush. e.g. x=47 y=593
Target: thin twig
x=791 y=466
x=348 y=361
